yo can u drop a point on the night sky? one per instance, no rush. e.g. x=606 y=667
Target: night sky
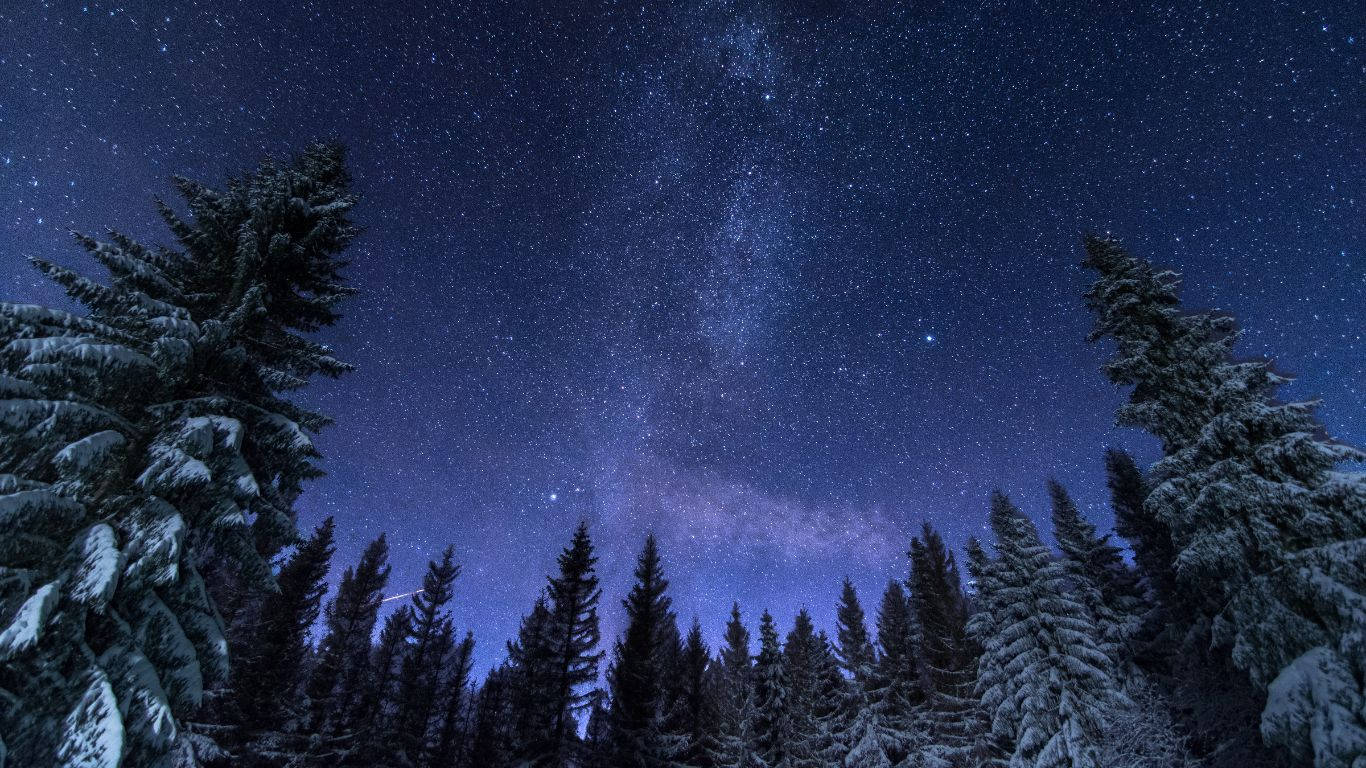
x=776 y=280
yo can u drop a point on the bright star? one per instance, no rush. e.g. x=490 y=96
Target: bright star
x=929 y=338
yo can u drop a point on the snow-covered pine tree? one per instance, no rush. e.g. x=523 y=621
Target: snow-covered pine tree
x=573 y=595
x=1270 y=532
x=637 y=676
x=735 y=743
x=429 y=644
x=1045 y=680
x=270 y=676
x=948 y=657
x=336 y=686
x=820 y=745
x=989 y=748
x=146 y=437
x=1100 y=579
x=773 y=718
x=854 y=648
x=896 y=682
x=801 y=651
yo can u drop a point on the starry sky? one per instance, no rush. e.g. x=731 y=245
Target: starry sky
x=774 y=280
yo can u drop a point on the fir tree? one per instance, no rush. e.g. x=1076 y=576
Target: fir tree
x=148 y=437
x=447 y=748
x=1100 y=579
x=989 y=747
x=948 y=657
x=733 y=689
x=855 y=649
x=801 y=654
x=377 y=710
x=1148 y=536
x=574 y=598
x=428 y=644
x=491 y=741
x=898 y=664
x=336 y=686
x=638 y=685
x=1043 y=678
x=530 y=666
x=692 y=714
x=1269 y=531
x=773 y=722
x=270 y=676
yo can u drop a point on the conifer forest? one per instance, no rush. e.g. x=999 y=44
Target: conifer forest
x=703 y=385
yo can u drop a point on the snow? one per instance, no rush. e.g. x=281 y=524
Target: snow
x=101 y=561
x=82 y=454
x=26 y=627
x=93 y=732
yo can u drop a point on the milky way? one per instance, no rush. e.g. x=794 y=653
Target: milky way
x=776 y=281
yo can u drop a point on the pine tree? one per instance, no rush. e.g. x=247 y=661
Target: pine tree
x=147 y=437
x=376 y=712
x=430 y=640
x=801 y=654
x=773 y=722
x=530 y=666
x=1148 y=536
x=574 y=598
x=855 y=649
x=638 y=685
x=691 y=717
x=1099 y=577
x=989 y=748
x=948 y=657
x=491 y=741
x=447 y=747
x=270 y=675
x=1269 y=532
x=820 y=744
x=1043 y=678
x=336 y=686
x=733 y=688
x=898 y=665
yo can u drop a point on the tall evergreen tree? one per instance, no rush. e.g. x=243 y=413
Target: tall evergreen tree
x=574 y=595
x=637 y=678
x=855 y=648
x=270 y=676
x=430 y=640
x=692 y=715
x=149 y=437
x=447 y=748
x=336 y=685
x=898 y=667
x=491 y=740
x=773 y=718
x=1044 y=678
x=733 y=688
x=1269 y=531
x=947 y=656
x=376 y=711
x=532 y=689
x=801 y=655
x=989 y=746
x=1149 y=537
x=1100 y=579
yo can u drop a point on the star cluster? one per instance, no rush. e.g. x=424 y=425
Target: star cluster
x=774 y=280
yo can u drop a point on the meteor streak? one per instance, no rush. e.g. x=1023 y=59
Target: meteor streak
x=400 y=597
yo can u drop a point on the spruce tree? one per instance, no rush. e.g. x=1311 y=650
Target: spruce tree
x=574 y=595
x=735 y=741
x=335 y=688
x=491 y=742
x=148 y=437
x=1149 y=537
x=692 y=715
x=898 y=664
x=855 y=649
x=989 y=747
x=1044 y=679
x=637 y=678
x=1270 y=532
x=532 y=689
x=448 y=746
x=376 y=712
x=947 y=656
x=269 y=678
x=773 y=719
x=1100 y=579
x=801 y=654
x=821 y=744
x=429 y=642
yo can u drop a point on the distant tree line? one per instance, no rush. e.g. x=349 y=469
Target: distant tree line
x=158 y=606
